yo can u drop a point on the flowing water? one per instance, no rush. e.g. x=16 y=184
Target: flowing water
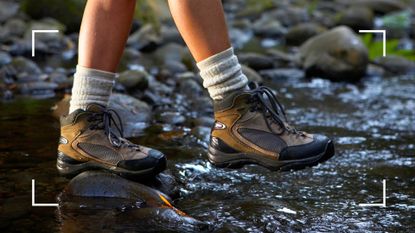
x=372 y=123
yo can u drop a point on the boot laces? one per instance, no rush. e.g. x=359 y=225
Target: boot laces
x=264 y=100
x=110 y=121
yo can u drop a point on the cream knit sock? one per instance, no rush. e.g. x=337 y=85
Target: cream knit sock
x=222 y=74
x=90 y=86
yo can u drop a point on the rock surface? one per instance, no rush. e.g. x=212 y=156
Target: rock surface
x=338 y=55
x=127 y=200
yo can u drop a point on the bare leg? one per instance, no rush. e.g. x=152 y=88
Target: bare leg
x=202 y=25
x=104 y=32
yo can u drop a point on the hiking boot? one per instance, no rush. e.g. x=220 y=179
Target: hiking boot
x=251 y=127
x=92 y=139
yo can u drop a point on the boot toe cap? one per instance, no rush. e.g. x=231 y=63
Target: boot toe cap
x=155 y=160
x=315 y=148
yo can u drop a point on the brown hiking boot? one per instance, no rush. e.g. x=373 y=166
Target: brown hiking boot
x=251 y=127
x=88 y=141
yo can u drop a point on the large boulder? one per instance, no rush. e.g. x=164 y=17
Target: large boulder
x=338 y=55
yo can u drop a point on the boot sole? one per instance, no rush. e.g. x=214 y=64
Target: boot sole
x=70 y=170
x=238 y=160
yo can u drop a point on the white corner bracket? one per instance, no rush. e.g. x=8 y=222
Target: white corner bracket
x=40 y=204
x=383 y=36
x=33 y=37
x=383 y=204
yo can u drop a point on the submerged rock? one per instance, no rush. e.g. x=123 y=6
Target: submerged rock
x=121 y=205
x=338 y=54
x=396 y=65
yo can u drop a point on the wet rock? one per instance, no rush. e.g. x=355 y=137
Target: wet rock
x=174 y=67
x=13 y=208
x=5 y=58
x=173 y=118
x=256 y=61
x=267 y=26
x=38 y=89
x=202 y=133
x=251 y=74
x=68 y=12
x=134 y=79
x=290 y=16
x=379 y=6
x=60 y=78
x=190 y=87
x=240 y=37
x=206 y=121
x=16 y=27
x=7 y=10
x=132 y=206
x=145 y=39
x=25 y=66
x=135 y=114
x=357 y=18
x=396 y=65
x=48 y=43
x=283 y=73
x=170 y=52
x=300 y=33
x=375 y=71
x=338 y=54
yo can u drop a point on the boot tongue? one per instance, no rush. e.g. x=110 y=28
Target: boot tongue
x=96 y=108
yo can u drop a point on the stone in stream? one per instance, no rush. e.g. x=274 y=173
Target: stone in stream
x=302 y=32
x=379 y=6
x=96 y=200
x=357 y=18
x=5 y=58
x=7 y=10
x=256 y=61
x=338 y=55
x=396 y=65
x=251 y=74
x=134 y=79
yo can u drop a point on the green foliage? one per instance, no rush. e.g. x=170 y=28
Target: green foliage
x=152 y=12
x=399 y=20
x=259 y=5
x=312 y=6
x=392 y=48
x=68 y=12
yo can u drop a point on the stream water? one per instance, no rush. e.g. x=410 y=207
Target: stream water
x=372 y=123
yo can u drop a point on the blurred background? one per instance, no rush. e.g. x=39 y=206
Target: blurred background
x=331 y=78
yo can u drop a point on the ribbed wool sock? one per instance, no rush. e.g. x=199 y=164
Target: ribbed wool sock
x=91 y=86
x=222 y=74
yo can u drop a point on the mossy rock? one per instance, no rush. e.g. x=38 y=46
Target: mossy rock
x=68 y=12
